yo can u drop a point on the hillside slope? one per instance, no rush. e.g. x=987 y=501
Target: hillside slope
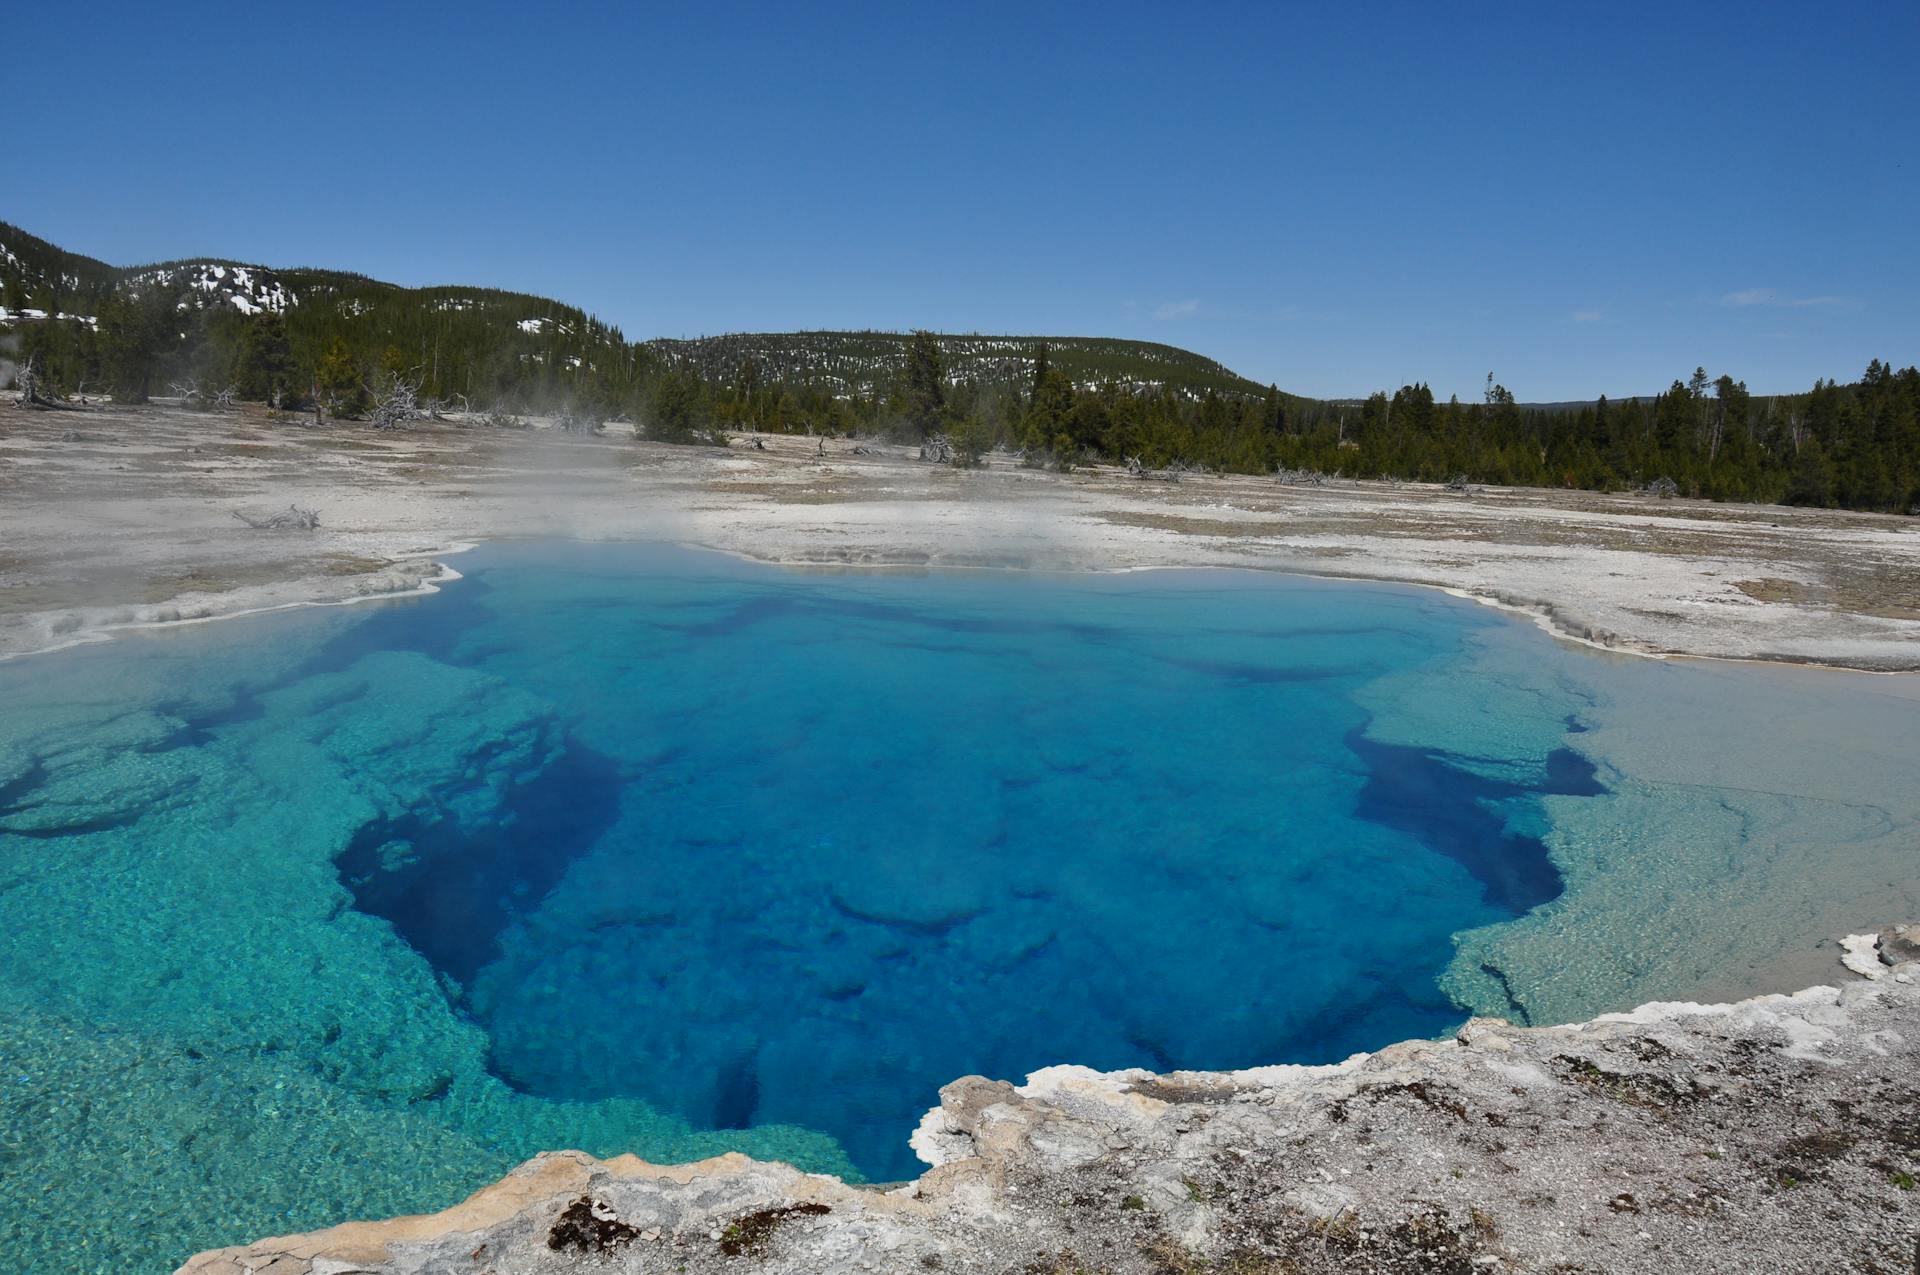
x=39 y=280
x=862 y=362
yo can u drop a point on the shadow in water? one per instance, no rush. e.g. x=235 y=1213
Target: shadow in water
x=450 y=888
x=1449 y=810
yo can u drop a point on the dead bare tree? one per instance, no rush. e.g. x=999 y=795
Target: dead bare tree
x=1663 y=487
x=571 y=422
x=33 y=391
x=938 y=449
x=198 y=397
x=1459 y=484
x=398 y=406
x=292 y=518
x=1171 y=474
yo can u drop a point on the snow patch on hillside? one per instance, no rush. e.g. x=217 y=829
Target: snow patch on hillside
x=247 y=289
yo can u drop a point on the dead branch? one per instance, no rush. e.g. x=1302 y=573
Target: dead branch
x=398 y=407
x=292 y=518
x=194 y=395
x=1171 y=474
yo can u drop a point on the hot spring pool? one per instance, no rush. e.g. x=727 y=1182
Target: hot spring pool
x=342 y=912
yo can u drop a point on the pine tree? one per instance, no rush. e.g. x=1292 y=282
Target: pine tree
x=1049 y=415
x=132 y=342
x=337 y=380
x=1274 y=419
x=264 y=369
x=925 y=385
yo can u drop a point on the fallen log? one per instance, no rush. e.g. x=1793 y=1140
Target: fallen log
x=292 y=518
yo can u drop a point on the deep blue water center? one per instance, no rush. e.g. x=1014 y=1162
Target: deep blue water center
x=816 y=844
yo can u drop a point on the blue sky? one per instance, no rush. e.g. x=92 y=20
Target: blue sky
x=1578 y=198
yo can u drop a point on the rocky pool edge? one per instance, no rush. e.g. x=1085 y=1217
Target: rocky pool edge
x=1776 y=1132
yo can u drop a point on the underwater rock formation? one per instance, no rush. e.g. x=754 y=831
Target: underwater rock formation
x=1776 y=1133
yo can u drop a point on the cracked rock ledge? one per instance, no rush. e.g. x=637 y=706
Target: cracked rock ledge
x=1776 y=1134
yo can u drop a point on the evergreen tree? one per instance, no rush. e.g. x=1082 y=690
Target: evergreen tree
x=1049 y=416
x=265 y=367
x=925 y=385
x=680 y=410
x=133 y=331
x=1042 y=364
x=337 y=380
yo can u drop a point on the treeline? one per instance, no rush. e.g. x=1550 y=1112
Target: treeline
x=1855 y=446
x=1850 y=445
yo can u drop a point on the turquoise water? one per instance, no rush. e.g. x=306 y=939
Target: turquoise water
x=340 y=913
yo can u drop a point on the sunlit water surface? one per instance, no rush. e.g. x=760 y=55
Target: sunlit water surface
x=341 y=913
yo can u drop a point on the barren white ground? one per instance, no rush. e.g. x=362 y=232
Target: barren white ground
x=111 y=517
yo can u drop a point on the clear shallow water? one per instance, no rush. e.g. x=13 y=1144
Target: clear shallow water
x=342 y=913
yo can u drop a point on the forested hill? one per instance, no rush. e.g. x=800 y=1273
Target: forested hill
x=483 y=342
x=866 y=363
x=133 y=330
x=336 y=343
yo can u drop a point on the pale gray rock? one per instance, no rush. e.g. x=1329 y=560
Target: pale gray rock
x=1900 y=944
x=1773 y=1134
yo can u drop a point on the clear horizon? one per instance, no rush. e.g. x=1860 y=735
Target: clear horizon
x=1580 y=204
